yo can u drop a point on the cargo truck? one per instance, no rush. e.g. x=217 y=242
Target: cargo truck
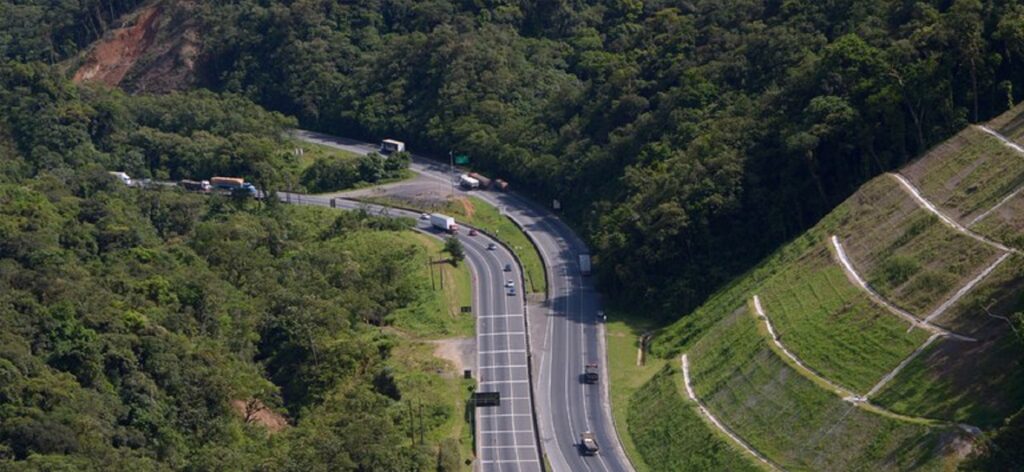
x=195 y=186
x=233 y=185
x=123 y=177
x=484 y=181
x=585 y=264
x=468 y=183
x=389 y=146
x=444 y=223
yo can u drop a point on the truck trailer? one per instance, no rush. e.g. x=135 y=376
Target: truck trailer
x=444 y=223
x=389 y=146
x=484 y=181
x=468 y=182
x=585 y=264
x=233 y=185
x=196 y=186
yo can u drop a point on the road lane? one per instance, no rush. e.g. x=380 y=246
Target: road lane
x=574 y=334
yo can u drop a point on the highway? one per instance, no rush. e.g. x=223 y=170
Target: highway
x=506 y=439
x=566 y=333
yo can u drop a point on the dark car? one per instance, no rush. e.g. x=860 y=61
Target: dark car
x=508 y=267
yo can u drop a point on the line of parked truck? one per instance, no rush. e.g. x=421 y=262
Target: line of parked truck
x=225 y=185
x=473 y=181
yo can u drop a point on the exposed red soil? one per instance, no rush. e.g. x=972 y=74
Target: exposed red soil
x=113 y=56
x=155 y=50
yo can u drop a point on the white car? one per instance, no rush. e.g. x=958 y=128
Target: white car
x=510 y=284
x=492 y=247
x=424 y=216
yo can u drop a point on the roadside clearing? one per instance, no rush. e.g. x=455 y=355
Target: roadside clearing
x=480 y=214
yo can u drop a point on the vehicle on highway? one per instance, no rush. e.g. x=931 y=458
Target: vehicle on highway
x=508 y=267
x=233 y=185
x=424 y=216
x=484 y=182
x=123 y=177
x=444 y=223
x=511 y=291
x=590 y=374
x=584 y=264
x=588 y=444
x=196 y=185
x=510 y=284
x=468 y=183
x=472 y=232
x=492 y=246
x=389 y=146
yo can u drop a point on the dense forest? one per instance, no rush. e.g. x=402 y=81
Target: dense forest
x=144 y=329
x=686 y=139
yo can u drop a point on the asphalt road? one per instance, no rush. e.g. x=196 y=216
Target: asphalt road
x=505 y=436
x=572 y=335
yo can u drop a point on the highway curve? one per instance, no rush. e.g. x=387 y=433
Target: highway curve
x=505 y=436
x=566 y=333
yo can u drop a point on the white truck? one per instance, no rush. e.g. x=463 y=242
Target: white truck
x=389 y=146
x=469 y=183
x=123 y=177
x=444 y=222
x=585 y=264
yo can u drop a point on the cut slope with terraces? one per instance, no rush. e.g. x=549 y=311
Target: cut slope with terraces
x=880 y=339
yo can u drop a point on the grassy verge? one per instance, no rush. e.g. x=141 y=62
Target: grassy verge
x=670 y=433
x=483 y=215
x=437 y=396
x=312 y=152
x=790 y=419
x=625 y=377
x=442 y=290
x=832 y=326
x=429 y=384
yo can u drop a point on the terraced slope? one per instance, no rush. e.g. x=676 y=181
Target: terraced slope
x=790 y=419
x=832 y=325
x=879 y=339
x=968 y=174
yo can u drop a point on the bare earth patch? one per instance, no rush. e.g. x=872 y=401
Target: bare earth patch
x=254 y=411
x=461 y=352
x=113 y=56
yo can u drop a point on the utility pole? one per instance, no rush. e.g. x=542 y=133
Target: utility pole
x=421 y=422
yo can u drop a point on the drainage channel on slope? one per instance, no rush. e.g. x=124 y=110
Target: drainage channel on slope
x=718 y=424
x=876 y=297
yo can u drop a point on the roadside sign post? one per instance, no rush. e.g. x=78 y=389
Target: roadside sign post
x=484 y=399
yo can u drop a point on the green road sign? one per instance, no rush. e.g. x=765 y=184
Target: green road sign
x=462 y=159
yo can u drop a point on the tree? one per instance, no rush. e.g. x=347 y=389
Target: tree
x=453 y=247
